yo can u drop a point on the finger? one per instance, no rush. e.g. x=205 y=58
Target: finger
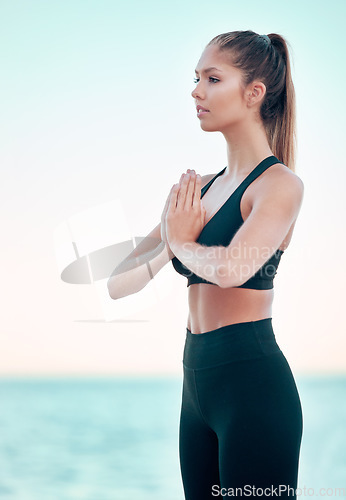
x=173 y=198
x=203 y=212
x=167 y=202
x=182 y=192
x=190 y=192
x=197 y=192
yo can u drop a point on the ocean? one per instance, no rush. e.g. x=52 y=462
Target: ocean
x=117 y=438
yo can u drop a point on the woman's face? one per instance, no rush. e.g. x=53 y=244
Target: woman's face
x=219 y=90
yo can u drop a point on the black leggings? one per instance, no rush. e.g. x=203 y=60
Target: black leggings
x=241 y=419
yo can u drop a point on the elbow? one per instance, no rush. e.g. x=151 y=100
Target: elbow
x=118 y=290
x=228 y=282
x=113 y=297
x=111 y=289
x=222 y=278
x=227 y=277
x=110 y=292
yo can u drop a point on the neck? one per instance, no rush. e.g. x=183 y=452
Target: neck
x=247 y=146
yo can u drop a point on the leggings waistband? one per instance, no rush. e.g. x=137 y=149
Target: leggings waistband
x=230 y=343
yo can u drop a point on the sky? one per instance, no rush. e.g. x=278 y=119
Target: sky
x=97 y=120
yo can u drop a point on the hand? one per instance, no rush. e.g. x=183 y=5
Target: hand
x=185 y=216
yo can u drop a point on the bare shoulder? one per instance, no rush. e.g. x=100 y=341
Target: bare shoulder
x=280 y=179
x=281 y=171
x=280 y=190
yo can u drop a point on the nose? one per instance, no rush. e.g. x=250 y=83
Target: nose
x=196 y=92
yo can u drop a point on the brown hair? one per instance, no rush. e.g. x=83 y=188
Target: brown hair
x=266 y=58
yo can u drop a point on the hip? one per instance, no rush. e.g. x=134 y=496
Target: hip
x=239 y=370
x=230 y=343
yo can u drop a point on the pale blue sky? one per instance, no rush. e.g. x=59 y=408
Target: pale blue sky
x=96 y=105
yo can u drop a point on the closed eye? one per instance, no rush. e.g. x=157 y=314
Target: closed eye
x=214 y=80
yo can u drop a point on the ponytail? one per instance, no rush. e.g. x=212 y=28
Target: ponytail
x=281 y=131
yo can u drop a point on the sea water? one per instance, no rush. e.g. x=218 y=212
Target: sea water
x=117 y=438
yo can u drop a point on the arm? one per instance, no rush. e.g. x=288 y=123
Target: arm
x=275 y=209
x=145 y=261
x=140 y=266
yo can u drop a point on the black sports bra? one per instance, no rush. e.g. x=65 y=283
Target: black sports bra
x=221 y=228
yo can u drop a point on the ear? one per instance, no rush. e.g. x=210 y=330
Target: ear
x=255 y=92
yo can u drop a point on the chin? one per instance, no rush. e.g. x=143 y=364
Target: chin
x=208 y=128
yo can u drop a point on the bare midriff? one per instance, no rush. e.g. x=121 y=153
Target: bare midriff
x=212 y=307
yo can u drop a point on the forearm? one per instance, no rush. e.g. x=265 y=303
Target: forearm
x=208 y=262
x=133 y=274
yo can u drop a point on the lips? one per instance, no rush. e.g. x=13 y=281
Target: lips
x=200 y=108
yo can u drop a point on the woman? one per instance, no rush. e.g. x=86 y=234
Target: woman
x=241 y=418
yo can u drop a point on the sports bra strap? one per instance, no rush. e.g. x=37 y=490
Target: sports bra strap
x=257 y=171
